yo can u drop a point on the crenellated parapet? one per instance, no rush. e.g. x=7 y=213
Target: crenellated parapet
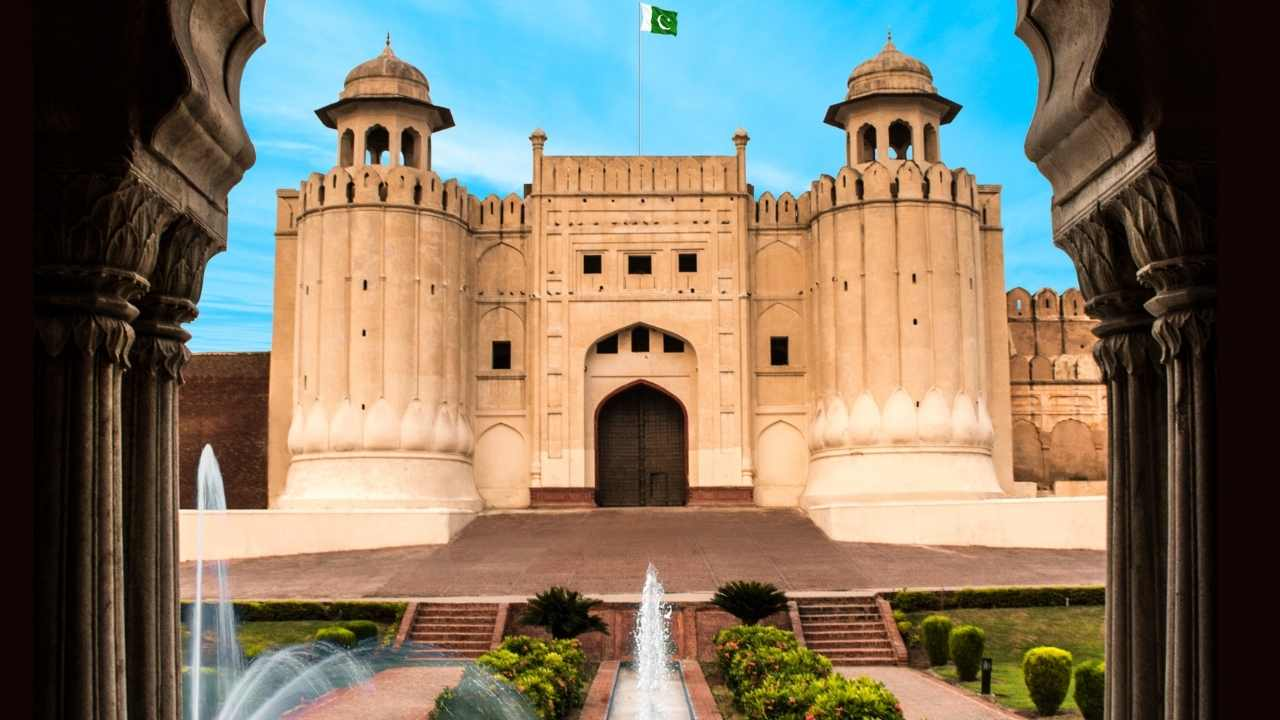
x=385 y=186
x=637 y=174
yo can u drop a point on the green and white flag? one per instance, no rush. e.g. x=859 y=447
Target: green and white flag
x=656 y=20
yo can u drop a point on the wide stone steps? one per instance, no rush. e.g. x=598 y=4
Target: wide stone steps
x=848 y=631
x=450 y=632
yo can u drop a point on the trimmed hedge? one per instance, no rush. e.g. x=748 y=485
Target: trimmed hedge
x=339 y=636
x=906 y=628
x=987 y=598
x=772 y=678
x=281 y=610
x=1047 y=673
x=936 y=631
x=1090 y=689
x=967 y=642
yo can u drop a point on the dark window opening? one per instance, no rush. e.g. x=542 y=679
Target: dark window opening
x=364 y=332
x=688 y=262
x=779 y=350
x=409 y=147
x=376 y=142
x=501 y=354
x=347 y=149
x=639 y=264
x=672 y=345
x=364 y=284
x=866 y=144
x=608 y=346
x=640 y=339
x=930 y=144
x=913 y=278
x=591 y=265
x=915 y=321
x=900 y=140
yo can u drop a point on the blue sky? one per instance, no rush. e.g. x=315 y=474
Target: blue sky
x=505 y=68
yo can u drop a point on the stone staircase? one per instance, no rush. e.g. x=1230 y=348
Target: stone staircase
x=450 y=631
x=848 y=631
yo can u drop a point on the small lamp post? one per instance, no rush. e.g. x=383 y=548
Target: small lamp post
x=986 y=676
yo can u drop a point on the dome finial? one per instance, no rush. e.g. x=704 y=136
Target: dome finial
x=387 y=49
x=888 y=41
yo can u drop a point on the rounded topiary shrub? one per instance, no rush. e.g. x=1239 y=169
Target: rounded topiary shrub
x=966 y=645
x=1047 y=673
x=339 y=636
x=936 y=630
x=362 y=629
x=1089 y=689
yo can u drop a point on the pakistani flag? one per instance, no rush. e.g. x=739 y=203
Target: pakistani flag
x=656 y=20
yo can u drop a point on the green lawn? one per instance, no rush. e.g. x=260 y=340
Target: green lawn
x=257 y=636
x=1011 y=632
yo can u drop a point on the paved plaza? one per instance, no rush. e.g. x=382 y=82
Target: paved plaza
x=605 y=552
x=927 y=698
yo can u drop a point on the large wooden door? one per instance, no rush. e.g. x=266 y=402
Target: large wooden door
x=640 y=449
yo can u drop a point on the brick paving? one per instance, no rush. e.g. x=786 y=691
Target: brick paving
x=926 y=698
x=405 y=693
x=605 y=551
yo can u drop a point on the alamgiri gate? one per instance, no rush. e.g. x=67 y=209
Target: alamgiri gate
x=645 y=331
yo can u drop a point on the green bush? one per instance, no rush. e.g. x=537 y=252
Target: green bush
x=1090 y=689
x=966 y=645
x=1047 y=673
x=550 y=675
x=780 y=697
x=862 y=698
x=987 y=598
x=732 y=640
x=749 y=601
x=936 y=630
x=750 y=668
x=337 y=635
x=362 y=629
x=906 y=628
x=388 y=613
x=564 y=613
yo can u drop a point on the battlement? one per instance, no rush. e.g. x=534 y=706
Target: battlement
x=639 y=174
x=1045 y=305
x=877 y=181
x=384 y=185
x=495 y=213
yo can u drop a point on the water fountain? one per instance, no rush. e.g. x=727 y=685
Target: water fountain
x=276 y=681
x=652 y=686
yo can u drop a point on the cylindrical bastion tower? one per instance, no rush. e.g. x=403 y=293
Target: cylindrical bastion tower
x=383 y=324
x=900 y=279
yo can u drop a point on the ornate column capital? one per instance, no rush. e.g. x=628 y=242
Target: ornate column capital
x=1171 y=236
x=97 y=241
x=176 y=283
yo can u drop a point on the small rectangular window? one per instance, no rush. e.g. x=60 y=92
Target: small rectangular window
x=639 y=264
x=778 y=351
x=501 y=354
x=672 y=345
x=608 y=346
x=640 y=339
x=688 y=262
x=590 y=264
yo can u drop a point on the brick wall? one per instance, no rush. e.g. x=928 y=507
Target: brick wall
x=223 y=403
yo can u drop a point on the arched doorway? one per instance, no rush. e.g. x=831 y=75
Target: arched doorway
x=641 y=456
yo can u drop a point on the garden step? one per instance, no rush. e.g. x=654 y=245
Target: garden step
x=451 y=624
x=438 y=611
x=456 y=617
x=838 y=662
x=444 y=644
x=812 y=635
x=823 y=645
x=428 y=636
x=841 y=624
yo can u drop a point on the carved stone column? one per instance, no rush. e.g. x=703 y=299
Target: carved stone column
x=1136 y=499
x=150 y=413
x=1168 y=216
x=96 y=242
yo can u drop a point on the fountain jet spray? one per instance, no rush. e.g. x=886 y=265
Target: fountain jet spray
x=653 y=663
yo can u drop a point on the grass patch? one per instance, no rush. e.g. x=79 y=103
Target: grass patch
x=257 y=636
x=723 y=696
x=1013 y=631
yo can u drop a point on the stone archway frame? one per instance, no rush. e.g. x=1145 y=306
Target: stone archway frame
x=591 y=411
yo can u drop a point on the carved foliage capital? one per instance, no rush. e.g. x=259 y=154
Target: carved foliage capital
x=1126 y=353
x=1107 y=274
x=1168 y=228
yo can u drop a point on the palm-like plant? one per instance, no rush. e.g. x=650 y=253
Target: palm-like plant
x=749 y=601
x=564 y=613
